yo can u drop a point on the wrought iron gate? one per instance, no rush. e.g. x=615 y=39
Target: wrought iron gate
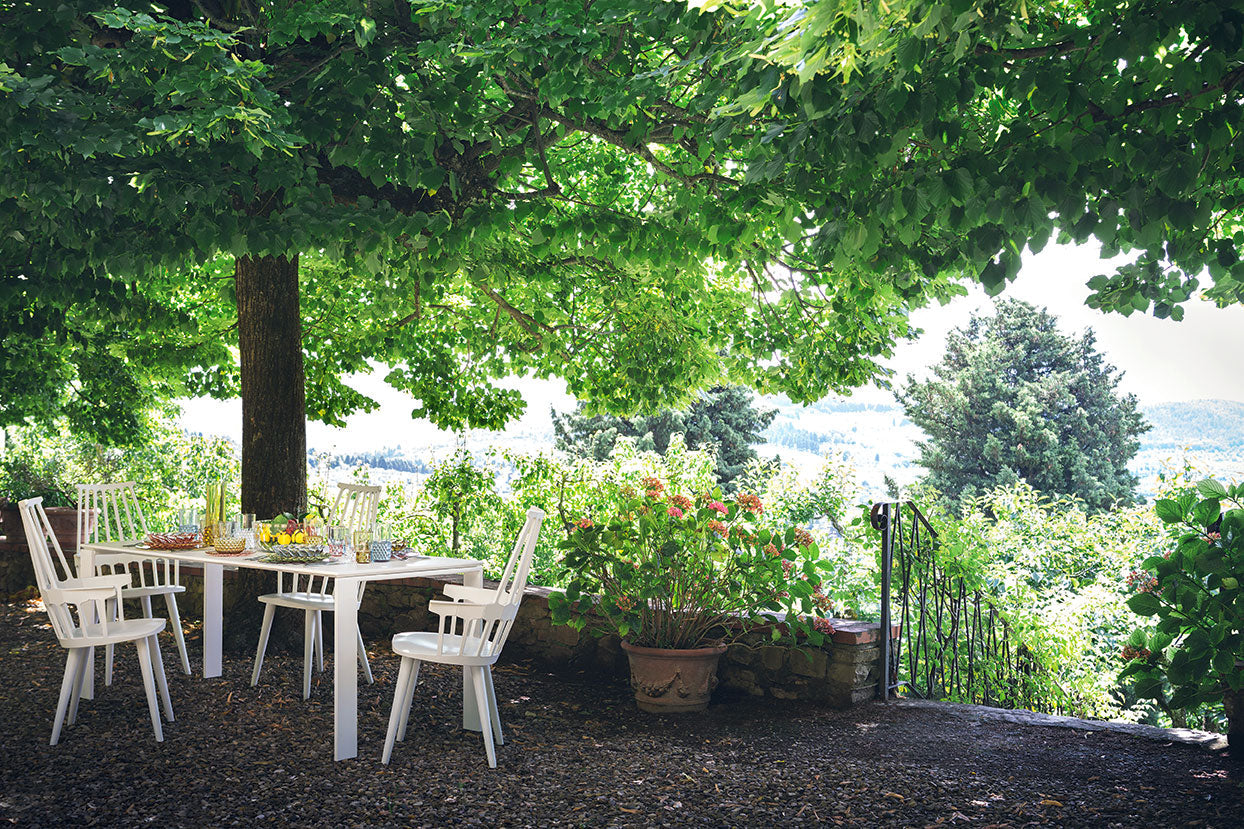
x=953 y=642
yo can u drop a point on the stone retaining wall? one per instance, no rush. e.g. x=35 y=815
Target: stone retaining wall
x=841 y=673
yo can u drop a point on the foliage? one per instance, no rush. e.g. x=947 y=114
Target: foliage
x=456 y=491
x=672 y=571
x=1058 y=574
x=1197 y=649
x=170 y=467
x=949 y=134
x=722 y=417
x=1014 y=399
x=472 y=189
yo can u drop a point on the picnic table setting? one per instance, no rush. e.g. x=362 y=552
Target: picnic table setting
x=320 y=565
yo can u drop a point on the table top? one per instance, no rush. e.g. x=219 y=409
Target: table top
x=344 y=568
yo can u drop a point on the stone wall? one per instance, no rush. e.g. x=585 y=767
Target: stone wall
x=842 y=673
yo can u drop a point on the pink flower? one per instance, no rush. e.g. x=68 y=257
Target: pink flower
x=822 y=625
x=717 y=527
x=802 y=537
x=751 y=503
x=681 y=501
x=719 y=506
x=583 y=523
x=674 y=512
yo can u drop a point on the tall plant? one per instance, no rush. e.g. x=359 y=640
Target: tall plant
x=1194 y=590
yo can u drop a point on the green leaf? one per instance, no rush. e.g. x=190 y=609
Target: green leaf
x=1144 y=604
x=1209 y=488
x=1206 y=512
x=1168 y=511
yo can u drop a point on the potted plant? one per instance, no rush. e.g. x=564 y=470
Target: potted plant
x=26 y=475
x=1196 y=650
x=678 y=578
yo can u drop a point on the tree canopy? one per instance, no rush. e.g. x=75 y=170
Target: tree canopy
x=644 y=198
x=1016 y=399
x=475 y=189
x=724 y=417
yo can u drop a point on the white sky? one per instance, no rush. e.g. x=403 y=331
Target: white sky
x=1161 y=360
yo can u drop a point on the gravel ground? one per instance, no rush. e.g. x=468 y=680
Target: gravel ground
x=577 y=753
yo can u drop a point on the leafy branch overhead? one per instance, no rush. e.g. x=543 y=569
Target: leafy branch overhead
x=644 y=198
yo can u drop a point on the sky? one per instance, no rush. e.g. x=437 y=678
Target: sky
x=1160 y=360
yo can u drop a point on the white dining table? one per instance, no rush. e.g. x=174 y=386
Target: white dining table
x=349 y=575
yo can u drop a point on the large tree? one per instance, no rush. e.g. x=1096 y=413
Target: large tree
x=1016 y=399
x=260 y=197
x=724 y=417
x=598 y=190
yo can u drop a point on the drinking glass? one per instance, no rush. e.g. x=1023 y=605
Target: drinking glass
x=248 y=529
x=338 y=541
x=362 y=546
x=382 y=545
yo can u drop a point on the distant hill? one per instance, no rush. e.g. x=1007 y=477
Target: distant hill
x=880 y=440
x=1198 y=424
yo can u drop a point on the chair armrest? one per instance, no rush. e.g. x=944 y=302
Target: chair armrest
x=464 y=610
x=478 y=595
x=109 y=583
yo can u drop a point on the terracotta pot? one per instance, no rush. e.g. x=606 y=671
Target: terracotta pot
x=669 y=681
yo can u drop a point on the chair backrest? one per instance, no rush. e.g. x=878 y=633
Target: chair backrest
x=355 y=506
x=484 y=628
x=118 y=515
x=514 y=578
x=38 y=533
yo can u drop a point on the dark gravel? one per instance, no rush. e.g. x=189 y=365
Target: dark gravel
x=578 y=753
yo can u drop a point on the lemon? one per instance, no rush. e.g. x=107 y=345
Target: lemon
x=300 y=537
x=283 y=538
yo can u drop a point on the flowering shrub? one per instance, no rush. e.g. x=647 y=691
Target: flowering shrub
x=669 y=571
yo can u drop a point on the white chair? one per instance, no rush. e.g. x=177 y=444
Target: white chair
x=472 y=630
x=99 y=621
x=118 y=520
x=355 y=508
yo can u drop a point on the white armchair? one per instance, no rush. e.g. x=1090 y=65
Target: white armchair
x=87 y=613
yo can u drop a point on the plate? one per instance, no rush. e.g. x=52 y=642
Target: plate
x=173 y=541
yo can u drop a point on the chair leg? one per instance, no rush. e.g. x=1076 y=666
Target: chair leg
x=174 y=618
x=110 y=609
x=264 y=630
x=395 y=714
x=77 y=689
x=492 y=704
x=485 y=721
x=157 y=664
x=319 y=639
x=308 y=647
x=410 y=695
x=72 y=659
x=363 y=657
x=144 y=663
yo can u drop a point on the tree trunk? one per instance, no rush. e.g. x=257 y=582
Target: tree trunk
x=274 y=424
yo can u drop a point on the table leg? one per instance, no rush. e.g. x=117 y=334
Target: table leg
x=345 y=670
x=470 y=710
x=213 y=613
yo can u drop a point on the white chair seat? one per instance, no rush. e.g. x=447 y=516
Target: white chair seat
x=426 y=647
x=355 y=508
x=155 y=590
x=111 y=513
x=116 y=631
x=484 y=618
x=86 y=613
x=302 y=601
